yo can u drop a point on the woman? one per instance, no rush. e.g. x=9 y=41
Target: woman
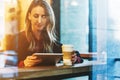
x=40 y=30
x=39 y=35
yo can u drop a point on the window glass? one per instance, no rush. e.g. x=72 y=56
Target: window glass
x=74 y=23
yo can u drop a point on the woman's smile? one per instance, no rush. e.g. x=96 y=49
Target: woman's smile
x=38 y=18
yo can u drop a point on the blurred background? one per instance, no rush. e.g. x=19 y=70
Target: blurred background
x=89 y=25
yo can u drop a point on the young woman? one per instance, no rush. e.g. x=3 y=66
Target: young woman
x=39 y=35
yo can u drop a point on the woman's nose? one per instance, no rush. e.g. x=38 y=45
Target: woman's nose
x=40 y=19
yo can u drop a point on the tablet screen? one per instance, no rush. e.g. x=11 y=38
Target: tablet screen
x=49 y=58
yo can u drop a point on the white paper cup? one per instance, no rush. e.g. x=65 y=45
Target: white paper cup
x=67 y=51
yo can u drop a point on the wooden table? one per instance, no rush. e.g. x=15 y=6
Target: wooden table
x=52 y=72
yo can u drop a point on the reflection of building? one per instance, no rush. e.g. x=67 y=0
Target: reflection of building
x=11 y=25
x=11 y=17
x=9 y=20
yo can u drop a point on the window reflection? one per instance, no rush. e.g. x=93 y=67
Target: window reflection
x=74 y=23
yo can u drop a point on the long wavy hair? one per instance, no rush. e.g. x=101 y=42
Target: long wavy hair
x=48 y=35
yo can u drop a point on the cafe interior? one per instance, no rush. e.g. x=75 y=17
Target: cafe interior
x=91 y=26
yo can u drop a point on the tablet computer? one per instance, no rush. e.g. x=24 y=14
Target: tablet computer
x=49 y=58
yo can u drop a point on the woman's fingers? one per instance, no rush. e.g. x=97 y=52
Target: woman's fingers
x=74 y=58
x=31 y=61
x=31 y=57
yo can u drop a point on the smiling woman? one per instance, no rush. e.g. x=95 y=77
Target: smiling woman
x=39 y=33
x=24 y=4
x=38 y=19
x=39 y=36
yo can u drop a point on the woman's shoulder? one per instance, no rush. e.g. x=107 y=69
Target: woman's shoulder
x=57 y=48
x=58 y=43
x=21 y=35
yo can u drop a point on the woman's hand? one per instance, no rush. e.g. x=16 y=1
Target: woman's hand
x=31 y=61
x=74 y=58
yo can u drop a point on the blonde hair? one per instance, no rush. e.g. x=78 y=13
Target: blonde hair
x=49 y=35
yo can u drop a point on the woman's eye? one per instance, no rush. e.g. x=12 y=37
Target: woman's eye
x=36 y=16
x=44 y=16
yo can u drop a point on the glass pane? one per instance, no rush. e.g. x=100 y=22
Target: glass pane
x=113 y=41
x=74 y=23
x=8 y=28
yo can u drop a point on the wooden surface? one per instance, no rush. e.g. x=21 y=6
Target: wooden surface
x=52 y=71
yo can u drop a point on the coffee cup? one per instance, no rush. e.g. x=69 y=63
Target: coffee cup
x=67 y=51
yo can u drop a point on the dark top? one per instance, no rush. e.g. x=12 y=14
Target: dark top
x=20 y=44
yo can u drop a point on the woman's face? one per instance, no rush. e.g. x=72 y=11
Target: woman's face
x=38 y=19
